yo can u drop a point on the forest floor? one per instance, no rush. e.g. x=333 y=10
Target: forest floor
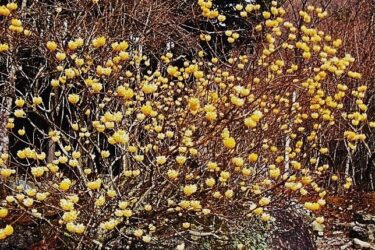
x=343 y=212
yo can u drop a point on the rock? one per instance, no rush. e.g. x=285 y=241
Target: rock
x=362 y=244
x=358 y=232
x=337 y=232
x=346 y=246
x=364 y=218
x=371 y=232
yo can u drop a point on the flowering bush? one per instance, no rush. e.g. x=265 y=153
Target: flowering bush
x=127 y=148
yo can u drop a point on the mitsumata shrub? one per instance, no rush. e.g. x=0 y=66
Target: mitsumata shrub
x=140 y=148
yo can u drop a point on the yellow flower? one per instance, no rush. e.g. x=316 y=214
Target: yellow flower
x=3 y=212
x=196 y=205
x=70 y=73
x=127 y=213
x=193 y=104
x=51 y=46
x=180 y=159
x=4 y=11
x=323 y=150
x=4 y=47
x=109 y=225
x=75 y=228
x=256 y=116
x=37 y=100
x=221 y=18
x=184 y=204
x=19 y=102
x=190 y=189
x=274 y=173
x=99 y=42
x=264 y=201
x=149 y=88
x=12 y=6
x=120 y=46
x=246 y=171
x=138 y=232
x=41 y=196
x=124 y=56
x=224 y=176
x=210 y=182
x=103 y=70
x=238 y=161
x=250 y=123
x=239 y=102
x=37 y=171
x=67 y=205
x=211 y=116
x=212 y=165
x=148 y=207
x=320 y=219
x=173 y=71
x=160 y=160
x=8 y=230
x=28 y=202
x=258 y=211
x=172 y=174
x=253 y=157
x=146 y=238
x=354 y=75
x=16 y=22
x=100 y=201
x=60 y=56
x=73 y=98
x=186 y=225
x=266 y=14
x=229 y=193
x=21 y=132
x=94 y=184
x=111 y=193
x=19 y=113
x=6 y=172
x=265 y=217
x=70 y=216
x=31 y=192
x=313 y=206
x=146 y=109
x=229 y=142
x=65 y=184
x=105 y=154
x=73 y=163
x=80 y=228
x=120 y=137
x=72 y=45
x=126 y=93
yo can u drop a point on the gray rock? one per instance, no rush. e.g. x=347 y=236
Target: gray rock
x=364 y=218
x=371 y=232
x=337 y=232
x=362 y=244
x=346 y=246
x=358 y=232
